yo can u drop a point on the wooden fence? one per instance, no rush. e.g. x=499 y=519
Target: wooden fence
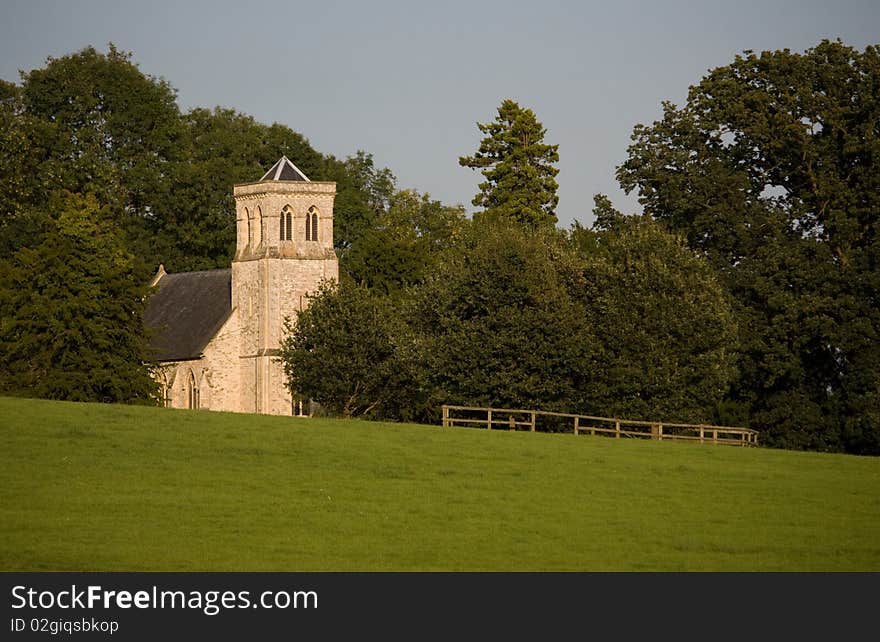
x=512 y=419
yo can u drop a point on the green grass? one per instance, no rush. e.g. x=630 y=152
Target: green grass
x=89 y=487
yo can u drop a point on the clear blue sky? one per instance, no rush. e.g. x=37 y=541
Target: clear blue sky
x=407 y=81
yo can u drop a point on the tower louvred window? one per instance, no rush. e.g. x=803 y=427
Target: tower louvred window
x=286 y=224
x=312 y=224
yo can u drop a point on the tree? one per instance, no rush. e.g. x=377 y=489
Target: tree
x=404 y=244
x=665 y=334
x=71 y=306
x=363 y=193
x=117 y=130
x=193 y=227
x=344 y=352
x=770 y=169
x=518 y=166
x=25 y=173
x=497 y=324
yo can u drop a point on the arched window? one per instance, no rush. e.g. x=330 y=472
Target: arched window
x=258 y=233
x=166 y=391
x=250 y=231
x=312 y=222
x=286 y=224
x=281 y=229
x=192 y=392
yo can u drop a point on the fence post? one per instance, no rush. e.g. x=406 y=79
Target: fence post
x=446 y=416
x=534 y=416
x=616 y=429
x=511 y=423
x=660 y=432
x=489 y=419
x=576 y=422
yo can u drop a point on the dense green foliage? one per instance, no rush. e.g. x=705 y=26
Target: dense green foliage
x=625 y=320
x=194 y=224
x=113 y=131
x=664 y=333
x=518 y=167
x=89 y=487
x=404 y=243
x=344 y=352
x=498 y=324
x=363 y=193
x=71 y=303
x=771 y=170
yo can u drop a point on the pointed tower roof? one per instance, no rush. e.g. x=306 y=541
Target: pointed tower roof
x=284 y=170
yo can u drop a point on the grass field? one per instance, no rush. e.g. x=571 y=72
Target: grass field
x=89 y=487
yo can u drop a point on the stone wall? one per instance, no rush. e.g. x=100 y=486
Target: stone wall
x=216 y=374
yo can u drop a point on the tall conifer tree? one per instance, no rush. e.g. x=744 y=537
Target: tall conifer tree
x=518 y=166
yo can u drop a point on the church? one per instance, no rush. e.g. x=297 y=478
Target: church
x=217 y=333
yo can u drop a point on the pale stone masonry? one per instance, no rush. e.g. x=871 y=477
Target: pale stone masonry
x=219 y=331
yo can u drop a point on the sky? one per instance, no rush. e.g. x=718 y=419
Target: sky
x=408 y=81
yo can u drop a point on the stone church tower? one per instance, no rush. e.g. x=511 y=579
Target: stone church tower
x=218 y=332
x=284 y=248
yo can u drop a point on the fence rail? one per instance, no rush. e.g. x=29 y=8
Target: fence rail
x=518 y=419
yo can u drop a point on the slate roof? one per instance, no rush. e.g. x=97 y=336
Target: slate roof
x=186 y=310
x=284 y=170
